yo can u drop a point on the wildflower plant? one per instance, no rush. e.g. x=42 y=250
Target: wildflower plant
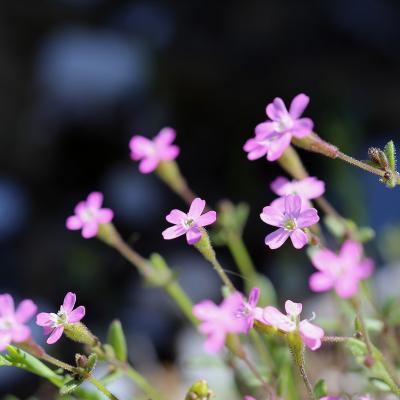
x=243 y=325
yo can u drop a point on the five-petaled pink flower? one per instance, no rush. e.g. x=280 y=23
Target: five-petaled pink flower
x=89 y=215
x=289 y=216
x=54 y=323
x=311 y=334
x=12 y=322
x=273 y=136
x=151 y=152
x=308 y=188
x=249 y=310
x=218 y=321
x=342 y=271
x=189 y=223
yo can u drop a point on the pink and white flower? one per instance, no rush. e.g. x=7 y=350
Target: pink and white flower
x=218 y=321
x=308 y=188
x=152 y=152
x=89 y=215
x=289 y=216
x=273 y=136
x=311 y=334
x=13 y=328
x=189 y=224
x=341 y=272
x=54 y=324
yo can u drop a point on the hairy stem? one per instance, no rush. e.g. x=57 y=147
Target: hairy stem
x=101 y=388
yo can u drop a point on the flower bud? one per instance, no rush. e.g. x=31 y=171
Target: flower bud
x=78 y=332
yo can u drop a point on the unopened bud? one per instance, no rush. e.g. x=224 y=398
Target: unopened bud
x=369 y=361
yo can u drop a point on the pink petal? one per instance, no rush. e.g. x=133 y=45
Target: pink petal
x=280 y=185
x=207 y=219
x=90 y=229
x=74 y=223
x=6 y=305
x=193 y=235
x=275 y=318
x=43 y=319
x=149 y=164
x=196 y=208
x=20 y=333
x=298 y=105
x=307 y=218
x=351 y=252
x=276 y=109
x=69 y=302
x=279 y=204
x=321 y=282
x=302 y=127
x=292 y=308
x=311 y=334
x=205 y=310
x=365 y=268
x=140 y=147
x=215 y=342
x=276 y=238
x=80 y=208
x=347 y=286
x=165 y=137
x=169 y=153
x=173 y=232
x=176 y=217
x=272 y=216
x=278 y=146
x=25 y=311
x=76 y=315
x=299 y=239
x=5 y=340
x=104 y=215
x=254 y=295
x=310 y=188
x=55 y=335
x=95 y=200
x=254 y=149
x=293 y=205
x=264 y=130
x=326 y=260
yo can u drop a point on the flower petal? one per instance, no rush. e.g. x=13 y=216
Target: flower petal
x=6 y=305
x=169 y=153
x=347 y=286
x=206 y=310
x=55 y=335
x=311 y=334
x=25 y=311
x=310 y=188
x=165 y=137
x=140 y=147
x=5 y=340
x=365 y=268
x=278 y=146
x=215 y=341
x=76 y=315
x=176 y=217
x=275 y=318
x=276 y=238
x=196 y=208
x=69 y=302
x=293 y=205
x=173 y=232
x=292 y=308
x=351 y=252
x=149 y=164
x=298 y=105
x=321 y=282
x=193 y=235
x=272 y=216
x=280 y=186
x=307 y=218
x=264 y=130
x=254 y=295
x=74 y=223
x=302 y=127
x=207 y=219
x=276 y=109
x=326 y=260
x=95 y=200
x=299 y=238
x=90 y=229
x=105 y=215
x=44 y=319
x=20 y=333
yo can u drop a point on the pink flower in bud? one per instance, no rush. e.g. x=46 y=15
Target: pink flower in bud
x=342 y=271
x=311 y=334
x=307 y=188
x=289 y=216
x=273 y=136
x=189 y=223
x=89 y=215
x=13 y=328
x=54 y=323
x=151 y=152
x=218 y=321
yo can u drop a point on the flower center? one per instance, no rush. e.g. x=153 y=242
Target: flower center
x=60 y=318
x=88 y=214
x=290 y=224
x=285 y=123
x=6 y=323
x=188 y=222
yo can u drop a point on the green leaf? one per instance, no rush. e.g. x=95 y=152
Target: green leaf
x=116 y=338
x=334 y=226
x=70 y=387
x=320 y=389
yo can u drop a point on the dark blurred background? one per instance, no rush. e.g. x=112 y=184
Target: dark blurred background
x=78 y=78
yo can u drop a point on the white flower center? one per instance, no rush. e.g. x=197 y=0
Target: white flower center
x=290 y=224
x=286 y=122
x=188 y=223
x=61 y=318
x=88 y=214
x=6 y=323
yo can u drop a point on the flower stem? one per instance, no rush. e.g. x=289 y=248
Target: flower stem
x=101 y=388
x=142 y=383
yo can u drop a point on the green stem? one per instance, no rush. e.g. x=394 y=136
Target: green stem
x=101 y=388
x=142 y=383
x=364 y=332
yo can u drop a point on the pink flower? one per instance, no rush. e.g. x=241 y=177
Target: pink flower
x=290 y=218
x=151 y=152
x=307 y=188
x=12 y=322
x=54 y=323
x=342 y=271
x=311 y=334
x=218 y=321
x=272 y=137
x=189 y=223
x=248 y=398
x=89 y=215
x=249 y=310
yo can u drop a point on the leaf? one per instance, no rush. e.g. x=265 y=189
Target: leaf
x=390 y=152
x=116 y=338
x=70 y=387
x=334 y=226
x=320 y=389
